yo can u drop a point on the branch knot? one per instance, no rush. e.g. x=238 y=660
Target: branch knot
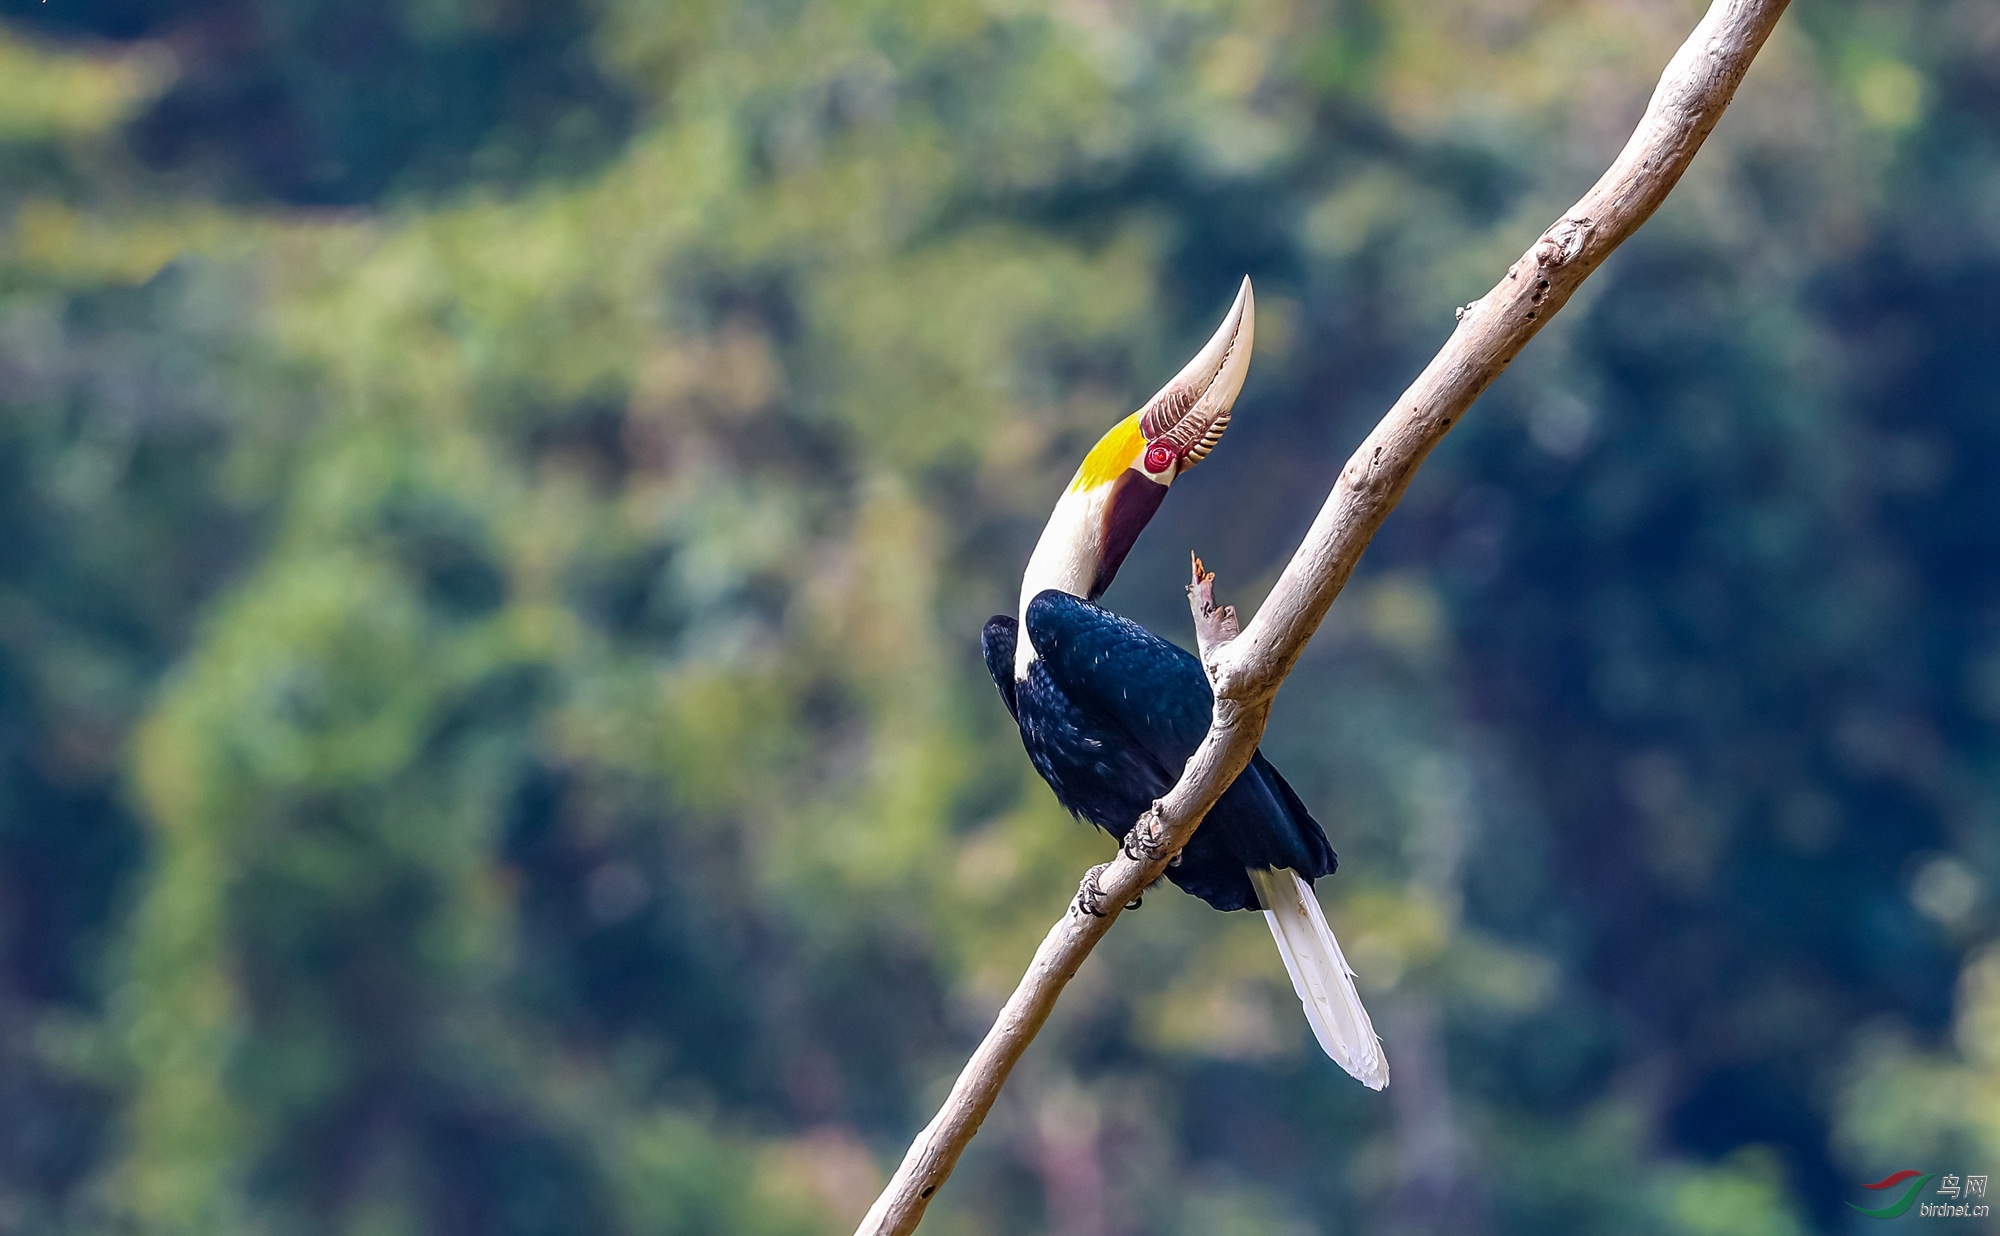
x=1564 y=240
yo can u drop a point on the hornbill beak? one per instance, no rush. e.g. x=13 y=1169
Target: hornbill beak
x=1184 y=421
x=1125 y=477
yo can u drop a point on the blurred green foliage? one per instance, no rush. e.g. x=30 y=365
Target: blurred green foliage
x=497 y=500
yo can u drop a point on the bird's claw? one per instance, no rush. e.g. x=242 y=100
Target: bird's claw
x=1090 y=894
x=1143 y=842
x=1140 y=844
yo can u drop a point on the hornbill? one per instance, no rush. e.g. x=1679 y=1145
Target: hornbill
x=1110 y=712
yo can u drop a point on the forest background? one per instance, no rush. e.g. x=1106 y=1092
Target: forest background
x=498 y=498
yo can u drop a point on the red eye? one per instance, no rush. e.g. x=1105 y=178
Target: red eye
x=1158 y=457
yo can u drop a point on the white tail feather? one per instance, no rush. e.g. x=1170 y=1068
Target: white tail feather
x=1320 y=975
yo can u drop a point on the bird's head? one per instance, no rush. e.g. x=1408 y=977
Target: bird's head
x=1124 y=477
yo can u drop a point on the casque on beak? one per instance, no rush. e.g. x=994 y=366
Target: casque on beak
x=1125 y=477
x=1185 y=420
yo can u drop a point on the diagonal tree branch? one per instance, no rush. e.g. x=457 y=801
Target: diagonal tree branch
x=1247 y=669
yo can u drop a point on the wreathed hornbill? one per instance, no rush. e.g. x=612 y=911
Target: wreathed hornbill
x=1110 y=712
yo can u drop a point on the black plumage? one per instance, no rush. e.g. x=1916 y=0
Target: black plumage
x=1110 y=713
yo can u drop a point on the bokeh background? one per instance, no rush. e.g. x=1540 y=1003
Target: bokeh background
x=498 y=498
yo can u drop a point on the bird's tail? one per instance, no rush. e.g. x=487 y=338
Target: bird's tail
x=1320 y=975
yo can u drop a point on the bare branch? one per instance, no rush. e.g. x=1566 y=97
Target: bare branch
x=1246 y=669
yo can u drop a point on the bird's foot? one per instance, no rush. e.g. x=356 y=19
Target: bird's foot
x=1145 y=841
x=1142 y=843
x=1090 y=894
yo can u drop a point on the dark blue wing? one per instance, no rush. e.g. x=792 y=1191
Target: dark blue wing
x=996 y=643
x=1135 y=683
x=1121 y=671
